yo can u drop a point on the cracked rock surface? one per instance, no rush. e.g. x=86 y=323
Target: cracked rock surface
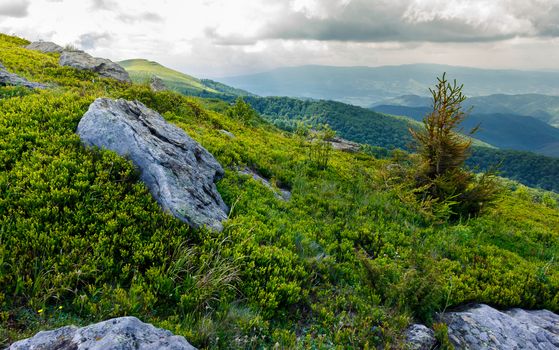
x=482 y=327
x=122 y=333
x=45 y=47
x=102 y=66
x=178 y=171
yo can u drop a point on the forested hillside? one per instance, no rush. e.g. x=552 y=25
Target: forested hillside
x=542 y=107
x=503 y=130
x=390 y=132
x=349 y=261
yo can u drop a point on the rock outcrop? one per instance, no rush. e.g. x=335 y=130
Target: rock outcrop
x=419 y=337
x=156 y=84
x=344 y=145
x=117 y=334
x=82 y=60
x=102 y=66
x=178 y=171
x=45 y=47
x=7 y=78
x=482 y=327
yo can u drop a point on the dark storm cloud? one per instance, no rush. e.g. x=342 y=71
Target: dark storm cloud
x=407 y=21
x=14 y=8
x=89 y=41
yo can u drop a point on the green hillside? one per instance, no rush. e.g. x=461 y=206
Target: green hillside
x=348 y=262
x=542 y=107
x=350 y=122
x=142 y=70
x=390 y=132
x=504 y=130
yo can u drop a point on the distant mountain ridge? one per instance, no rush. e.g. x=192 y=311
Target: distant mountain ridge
x=542 y=107
x=358 y=124
x=141 y=70
x=503 y=130
x=364 y=86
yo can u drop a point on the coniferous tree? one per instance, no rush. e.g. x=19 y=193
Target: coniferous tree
x=444 y=150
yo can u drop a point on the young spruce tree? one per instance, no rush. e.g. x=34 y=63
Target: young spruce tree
x=443 y=152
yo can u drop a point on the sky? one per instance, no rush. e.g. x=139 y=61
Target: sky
x=217 y=38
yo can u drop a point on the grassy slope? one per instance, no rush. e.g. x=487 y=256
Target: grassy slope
x=141 y=70
x=346 y=263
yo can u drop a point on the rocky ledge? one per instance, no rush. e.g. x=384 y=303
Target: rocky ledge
x=82 y=60
x=483 y=327
x=178 y=171
x=11 y=79
x=479 y=326
x=102 y=66
x=117 y=334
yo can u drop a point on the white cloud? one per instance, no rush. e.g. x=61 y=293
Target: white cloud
x=212 y=38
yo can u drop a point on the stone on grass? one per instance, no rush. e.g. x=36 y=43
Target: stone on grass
x=178 y=171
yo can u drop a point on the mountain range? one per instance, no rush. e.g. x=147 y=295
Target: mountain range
x=364 y=86
x=502 y=138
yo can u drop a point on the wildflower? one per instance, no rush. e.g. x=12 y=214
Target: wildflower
x=40 y=311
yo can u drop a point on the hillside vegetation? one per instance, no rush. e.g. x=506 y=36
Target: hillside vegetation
x=348 y=262
x=391 y=132
x=542 y=107
x=503 y=130
x=142 y=70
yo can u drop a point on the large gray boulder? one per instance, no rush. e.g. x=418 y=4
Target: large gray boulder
x=482 y=327
x=122 y=333
x=102 y=66
x=11 y=79
x=178 y=171
x=45 y=47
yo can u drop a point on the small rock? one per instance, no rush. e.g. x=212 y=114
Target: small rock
x=102 y=66
x=227 y=133
x=156 y=84
x=116 y=334
x=45 y=47
x=419 y=337
x=178 y=171
x=7 y=78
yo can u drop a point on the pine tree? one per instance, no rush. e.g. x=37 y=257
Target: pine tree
x=444 y=150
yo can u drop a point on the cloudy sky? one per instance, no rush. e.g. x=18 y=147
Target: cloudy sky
x=215 y=38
